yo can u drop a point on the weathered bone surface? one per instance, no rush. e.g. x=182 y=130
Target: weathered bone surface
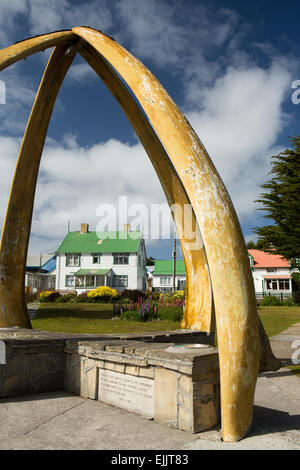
x=16 y=228
x=217 y=267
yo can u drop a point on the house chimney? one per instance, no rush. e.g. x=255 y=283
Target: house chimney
x=84 y=228
x=126 y=228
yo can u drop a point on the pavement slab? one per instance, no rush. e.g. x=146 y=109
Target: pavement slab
x=63 y=421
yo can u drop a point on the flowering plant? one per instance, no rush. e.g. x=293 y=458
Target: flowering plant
x=102 y=292
x=48 y=296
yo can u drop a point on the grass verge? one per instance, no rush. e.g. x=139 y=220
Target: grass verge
x=91 y=319
x=277 y=319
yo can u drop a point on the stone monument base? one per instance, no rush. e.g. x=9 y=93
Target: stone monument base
x=152 y=375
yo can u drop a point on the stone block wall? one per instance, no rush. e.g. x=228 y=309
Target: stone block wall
x=32 y=367
x=139 y=373
x=182 y=390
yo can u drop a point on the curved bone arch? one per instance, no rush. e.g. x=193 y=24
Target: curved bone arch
x=219 y=280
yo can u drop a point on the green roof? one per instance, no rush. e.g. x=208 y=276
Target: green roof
x=92 y=272
x=165 y=266
x=101 y=242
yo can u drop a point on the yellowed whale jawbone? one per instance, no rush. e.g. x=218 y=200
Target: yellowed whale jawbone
x=233 y=291
x=16 y=227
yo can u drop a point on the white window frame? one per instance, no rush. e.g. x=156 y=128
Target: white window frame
x=117 y=257
x=275 y=282
x=98 y=256
x=68 y=278
x=117 y=278
x=165 y=280
x=72 y=259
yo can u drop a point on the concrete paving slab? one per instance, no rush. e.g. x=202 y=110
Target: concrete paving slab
x=62 y=421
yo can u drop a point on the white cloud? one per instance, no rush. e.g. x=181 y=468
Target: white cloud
x=80 y=72
x=51 y=15
x=9 y=149
x=19 y=99
x=180 y=34
x=10 y=11
x=239 y=122
x=74 y=180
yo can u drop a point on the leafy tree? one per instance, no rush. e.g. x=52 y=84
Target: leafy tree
x=281 y=201
x=259 y=245
x=296 y=281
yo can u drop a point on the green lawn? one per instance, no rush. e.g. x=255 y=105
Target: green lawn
x=96 y=318
x=277 y=319
x=91 y=319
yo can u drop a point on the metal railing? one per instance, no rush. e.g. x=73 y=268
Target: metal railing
x=280 y=295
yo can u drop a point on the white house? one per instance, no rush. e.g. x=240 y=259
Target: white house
x=271 y=274
x=40 y=272
x=162 y=275
x=86 y=260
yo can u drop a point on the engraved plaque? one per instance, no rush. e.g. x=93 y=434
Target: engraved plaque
x=128 y=392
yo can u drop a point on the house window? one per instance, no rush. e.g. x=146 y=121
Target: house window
x=121 y=258
x=89 y=281
x=96 y=258
x=271 y=270
x=72 y=259
x=70 y=281
x=165 y=280
x=100 y=280
x=181 y=284
x=79 y=281
x=34 y=281
x=120 y=281
x=284 y=284
x=278 y=284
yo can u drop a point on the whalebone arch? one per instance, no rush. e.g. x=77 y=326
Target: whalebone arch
x=187 y=175
x=199 y=303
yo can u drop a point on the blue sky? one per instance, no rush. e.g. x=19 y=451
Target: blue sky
x=229 y=66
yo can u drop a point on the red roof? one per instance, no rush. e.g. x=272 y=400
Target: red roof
x=267 y=260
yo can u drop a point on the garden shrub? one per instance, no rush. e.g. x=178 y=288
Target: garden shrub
x=153 y=295
x=289 y=302
x=132 y=294
x=62 y=299
x=165 y=298
x=131 y=315
x=179 y=294
x=170 y=313
x=48 y=296
x=80 y=298
x=297 y=297
x=31 y=297
x=102 y=294
x=271 y=300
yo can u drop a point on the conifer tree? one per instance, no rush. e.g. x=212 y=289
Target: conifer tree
x=281 y=202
